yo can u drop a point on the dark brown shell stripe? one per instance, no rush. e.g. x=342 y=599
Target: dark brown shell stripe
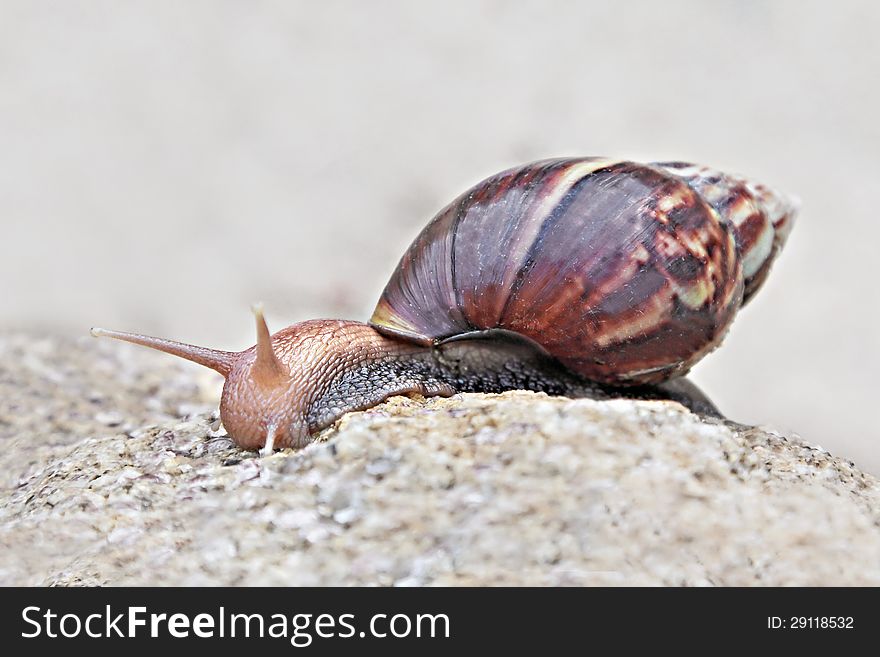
x=620 y=270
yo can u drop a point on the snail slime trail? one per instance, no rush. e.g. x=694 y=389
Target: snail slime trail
x=580 y=276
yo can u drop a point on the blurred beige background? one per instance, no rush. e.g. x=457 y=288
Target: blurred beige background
x=164 y=164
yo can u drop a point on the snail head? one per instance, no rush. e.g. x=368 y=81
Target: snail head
x=267 y=391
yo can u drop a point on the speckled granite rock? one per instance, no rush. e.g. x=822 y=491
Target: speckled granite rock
x=55 y=392
x=517 y=488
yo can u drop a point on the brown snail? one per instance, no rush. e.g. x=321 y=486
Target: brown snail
x=583 y=276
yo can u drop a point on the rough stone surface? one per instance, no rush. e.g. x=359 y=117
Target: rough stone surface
x=103 y=485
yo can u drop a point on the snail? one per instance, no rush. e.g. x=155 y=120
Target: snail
x=578 y=276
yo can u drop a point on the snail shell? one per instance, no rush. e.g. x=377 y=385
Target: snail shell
x=627 y=273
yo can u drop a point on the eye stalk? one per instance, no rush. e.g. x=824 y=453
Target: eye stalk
x=267 y=368
x=219 y=361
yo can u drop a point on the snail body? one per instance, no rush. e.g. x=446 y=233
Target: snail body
x=577 y=276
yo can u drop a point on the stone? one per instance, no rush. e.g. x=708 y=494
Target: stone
x=511 y=489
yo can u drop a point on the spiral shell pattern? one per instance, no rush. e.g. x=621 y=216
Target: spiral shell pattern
x=627 y=273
